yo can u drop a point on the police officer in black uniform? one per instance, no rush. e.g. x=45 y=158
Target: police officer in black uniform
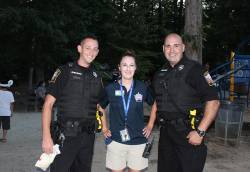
x=75 y=87
x=186 y=105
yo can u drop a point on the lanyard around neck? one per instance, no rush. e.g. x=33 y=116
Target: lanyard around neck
x=126 y=106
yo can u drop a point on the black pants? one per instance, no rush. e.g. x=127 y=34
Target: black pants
x=175 y=154
x=76 y=154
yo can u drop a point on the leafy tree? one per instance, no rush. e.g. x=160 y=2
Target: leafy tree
x=45 y=33
x=226 y=23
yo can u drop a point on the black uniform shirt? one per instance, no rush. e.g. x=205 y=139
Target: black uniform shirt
x=57 y=82
x=60 y=77
x=196 y=79
x=77 y=91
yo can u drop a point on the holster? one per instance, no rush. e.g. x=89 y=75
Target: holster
x=194 y=117
x=75 y=127
x=197 y=121
x=55 y=131
x=98 y=122
x=71 y=128
x=190 y=120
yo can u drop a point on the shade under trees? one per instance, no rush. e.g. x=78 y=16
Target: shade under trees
x=40 y=35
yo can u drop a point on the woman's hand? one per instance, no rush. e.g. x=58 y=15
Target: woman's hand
x=106 y=132
x=147 y=130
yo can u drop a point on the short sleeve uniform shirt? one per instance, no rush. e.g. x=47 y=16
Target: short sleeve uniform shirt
x=135 y=117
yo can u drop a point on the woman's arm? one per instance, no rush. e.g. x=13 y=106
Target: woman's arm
x=148 y=129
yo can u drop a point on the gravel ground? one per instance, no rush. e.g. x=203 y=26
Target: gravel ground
x=23 y=148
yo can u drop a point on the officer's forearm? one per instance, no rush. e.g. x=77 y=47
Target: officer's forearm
x=210 y=113
x=46 y=118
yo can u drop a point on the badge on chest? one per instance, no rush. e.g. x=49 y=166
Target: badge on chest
x=138 y=97
x=119 y=93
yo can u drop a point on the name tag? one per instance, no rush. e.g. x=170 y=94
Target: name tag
x=118 y=93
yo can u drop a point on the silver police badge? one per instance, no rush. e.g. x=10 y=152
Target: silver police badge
x=95 y=74
x=180 y=67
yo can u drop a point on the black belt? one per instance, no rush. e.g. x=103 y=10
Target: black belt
x=75 y=127
x=175 y=122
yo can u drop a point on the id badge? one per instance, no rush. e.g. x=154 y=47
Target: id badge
x=124 y=135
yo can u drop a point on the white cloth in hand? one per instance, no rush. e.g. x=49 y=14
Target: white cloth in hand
x=46 y=159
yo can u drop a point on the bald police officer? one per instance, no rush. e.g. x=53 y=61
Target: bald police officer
x=182 y=95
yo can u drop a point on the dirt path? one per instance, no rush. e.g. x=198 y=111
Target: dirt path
x=24 y=147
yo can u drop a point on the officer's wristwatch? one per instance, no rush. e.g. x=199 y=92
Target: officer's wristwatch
x=201 y=133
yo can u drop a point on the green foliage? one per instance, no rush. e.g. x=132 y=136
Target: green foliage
x=44 y=34
x=226 y=23
x=137 y=25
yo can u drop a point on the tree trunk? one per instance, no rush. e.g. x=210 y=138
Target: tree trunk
x=180 y=16
x=160 y=15
x=175 y=15
x=39 y=71
x=193 y=29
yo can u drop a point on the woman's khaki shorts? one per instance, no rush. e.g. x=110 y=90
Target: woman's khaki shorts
x=120 y=156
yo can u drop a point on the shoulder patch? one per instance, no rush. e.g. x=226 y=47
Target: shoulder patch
x=55 y=76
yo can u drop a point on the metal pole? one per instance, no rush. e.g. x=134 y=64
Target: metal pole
x=231 y=97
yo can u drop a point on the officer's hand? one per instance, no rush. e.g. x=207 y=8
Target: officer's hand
x=147 y=130
x=106 y=133
x=194 y=138
x=47 y=145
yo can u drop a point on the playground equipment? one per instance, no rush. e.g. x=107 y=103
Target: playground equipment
x=233 y=77
x=233 y=82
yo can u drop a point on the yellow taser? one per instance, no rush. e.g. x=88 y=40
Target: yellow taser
x=98 y=118
x=192 y=114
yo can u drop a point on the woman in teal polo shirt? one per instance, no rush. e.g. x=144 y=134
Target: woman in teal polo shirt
x=127 y=131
